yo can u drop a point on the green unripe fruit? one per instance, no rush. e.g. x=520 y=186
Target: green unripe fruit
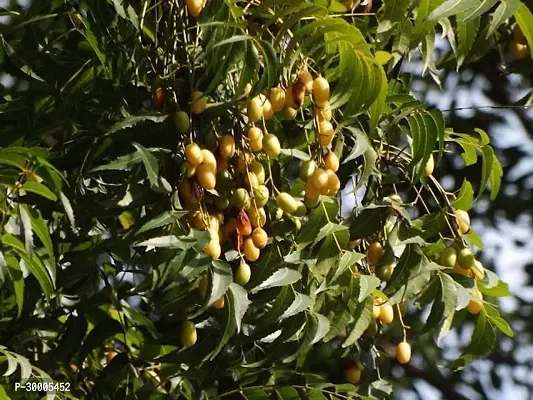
x=241 y=199
x=188 y=336
x=289 y=113
x=224 y=180
x=261 y=196
x=311 y=203
x=465 y=258
x=385 y=272
x=448 y=258
x=211 y=139
x=222 y=203
x=287 y=203
x=181 y=122
x=243 y=274
x=301 y=209
x=306 y=169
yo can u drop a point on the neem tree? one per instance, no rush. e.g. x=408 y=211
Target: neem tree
x=236 y=199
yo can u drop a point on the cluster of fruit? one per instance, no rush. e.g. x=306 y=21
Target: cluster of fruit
x=245 y=226
x=519 y=46
x=461 y=260
x=225 y=187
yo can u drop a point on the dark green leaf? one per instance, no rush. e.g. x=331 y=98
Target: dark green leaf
x=363 y=317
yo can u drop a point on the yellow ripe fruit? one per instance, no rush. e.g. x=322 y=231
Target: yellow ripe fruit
x=463 y=221
x=353 y=374
x=277 y=99
x=376 y=311
x=191 y=170
x=334 y=184
x=251 y=252
x=226 y=146
x=213 y=248
x=320 y=90
x=374 y=253
x=255 y=109
x=323 y=112
x=257 y=168
x=257 y=217
x=196 y=219
x=268 y=110
x=289 y=99
x=286 y=202
x=386 y=314
x=202 y=287
x=193 y=154
x=199 y=102
x=243 y=274
x=188 y=335
x=475 y=305
x=289 y=113
x=195 y=7
x=260 y=238
x=306 y=79
x=319 y=179
x=255 y=136
x=206 y=177
x=325 y=133
x=519 y=51
x=332 y=161
x=311 y=192
x=209 y=159
x=403 y=352
x=271 y=145
x=219 y=304
x=430 y=166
